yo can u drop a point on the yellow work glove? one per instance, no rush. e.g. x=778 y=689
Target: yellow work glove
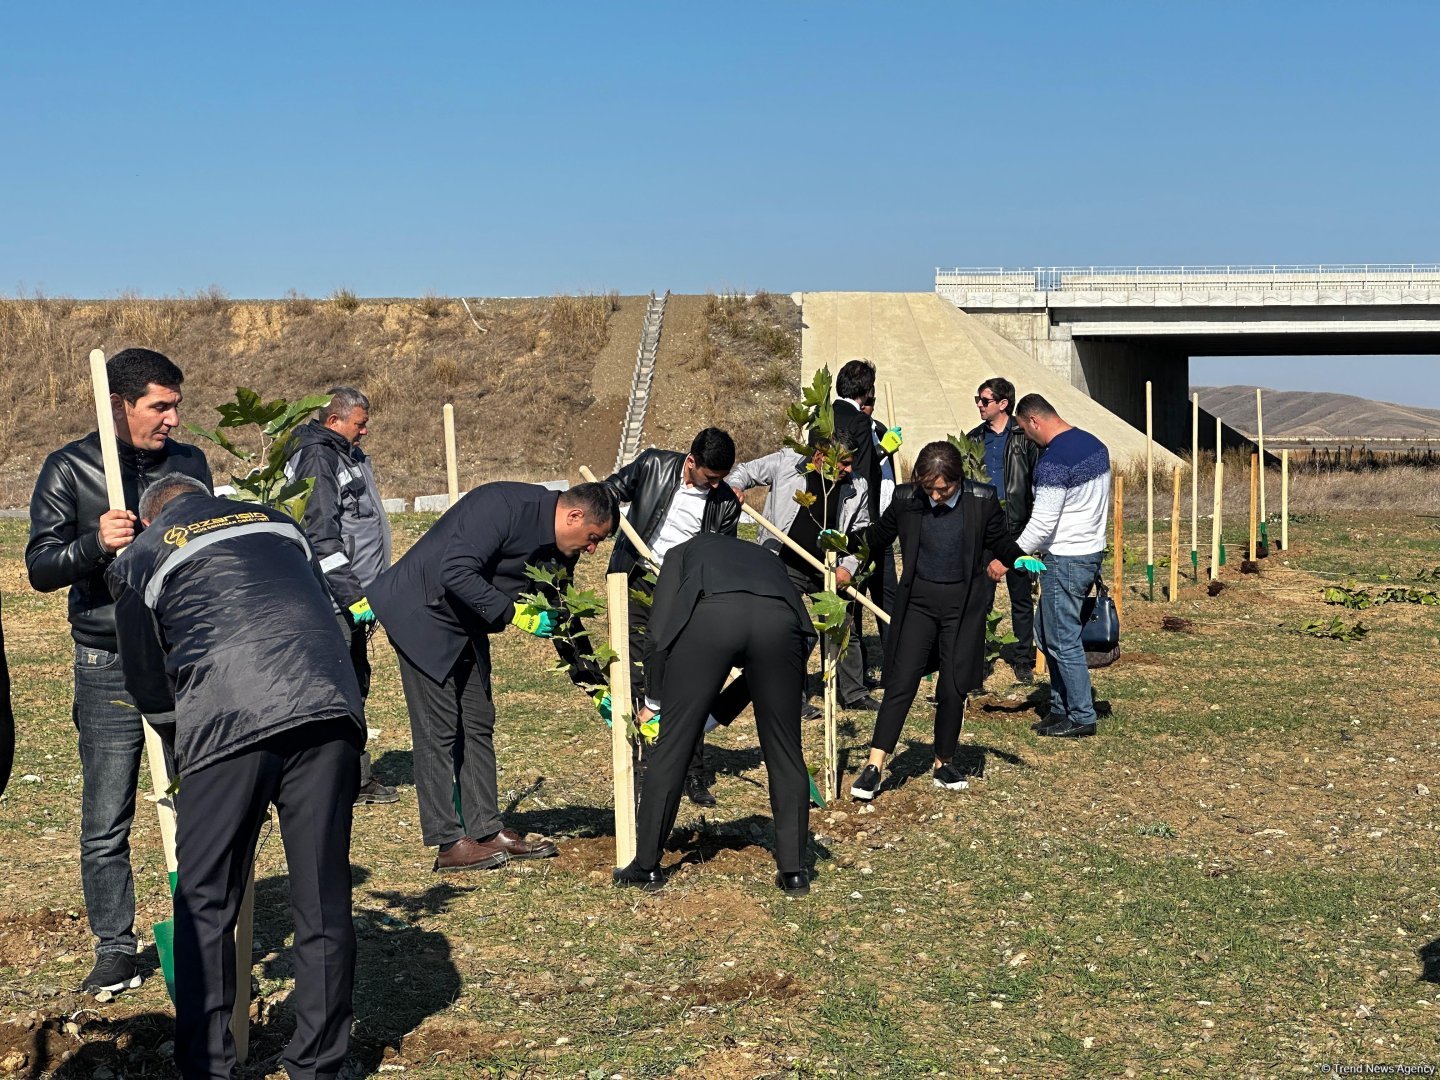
x=535 y=621
x=892 y=440
x=360 y=613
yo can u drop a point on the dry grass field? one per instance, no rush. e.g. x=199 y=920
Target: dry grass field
x=1238 y=876
x=523 y=374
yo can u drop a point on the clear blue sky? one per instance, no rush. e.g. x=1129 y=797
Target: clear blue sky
x=484 y=149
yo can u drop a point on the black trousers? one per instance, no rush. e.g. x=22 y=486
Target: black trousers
x=311 y=774
x=452 y=731
x=1022 y=620
x=360 y=658
x=762 y=635
x=640 y=652
x=880 y=587
x=931 y=626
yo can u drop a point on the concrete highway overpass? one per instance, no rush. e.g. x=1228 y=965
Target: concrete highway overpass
x=934 y=356
x=1108 y=330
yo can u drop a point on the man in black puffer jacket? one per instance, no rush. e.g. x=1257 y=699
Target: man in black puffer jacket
x=230 y=644
x=73 y=537
x=673 y=497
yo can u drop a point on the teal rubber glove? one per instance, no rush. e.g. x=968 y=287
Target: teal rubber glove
x=534 y=621
x=892 y=440
x=360 y=613
x=1030 y=563
x=602 y=705
x=833 y=540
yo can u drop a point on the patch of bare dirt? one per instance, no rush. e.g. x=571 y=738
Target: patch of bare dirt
x=27 y=937
x=443 y=1041
x=776 y=985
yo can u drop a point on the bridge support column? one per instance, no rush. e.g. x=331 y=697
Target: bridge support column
x=1114 y=373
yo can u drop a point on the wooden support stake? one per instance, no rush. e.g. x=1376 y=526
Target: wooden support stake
x=160 y=779
x=1118 y=592
x=779 y=534
x=1149 y=490
x=1260 y=440
x=1284 y=500
x=891 y=420
x=1215 y=522
x=832 y=705
x=452 y=472
x=1040 y=668
x=1175 y=534
x=617 y=589
x=1254 y=505
x=1195 y=485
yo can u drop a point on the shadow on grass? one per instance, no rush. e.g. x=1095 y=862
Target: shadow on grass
x=395 y=767
x=1430 y=962
x=700 y=844
x=403 y=972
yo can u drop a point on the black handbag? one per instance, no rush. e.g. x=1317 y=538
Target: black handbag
x=1100 y=627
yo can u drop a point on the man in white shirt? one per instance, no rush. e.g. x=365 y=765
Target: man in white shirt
x=672 y=497
x=1067 y=525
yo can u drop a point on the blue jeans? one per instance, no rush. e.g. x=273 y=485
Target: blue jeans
x=1067 y=580
x=111 y=737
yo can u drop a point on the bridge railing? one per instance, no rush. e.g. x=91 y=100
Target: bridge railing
x=1131 y=278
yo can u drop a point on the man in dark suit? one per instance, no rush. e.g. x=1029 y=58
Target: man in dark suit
x=439 y=604
x=723 y=603
x=672 y=497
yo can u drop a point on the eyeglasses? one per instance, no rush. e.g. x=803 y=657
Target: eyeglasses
x=985 y=400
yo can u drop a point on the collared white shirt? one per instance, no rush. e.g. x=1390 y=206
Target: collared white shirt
x=682 y=520
x=950 y=502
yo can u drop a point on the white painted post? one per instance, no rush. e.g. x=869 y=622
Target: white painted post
x=1284 y=500
x=831 y=707
x=452 y=474
x=1149 y=490
x=617 y=588
x=1195 y=485
x=1260 y=439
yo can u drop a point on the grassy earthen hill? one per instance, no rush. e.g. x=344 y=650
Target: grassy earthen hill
x=1314 y=415
x=539 y=384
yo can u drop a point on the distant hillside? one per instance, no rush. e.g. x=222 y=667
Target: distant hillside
x=1301 y=413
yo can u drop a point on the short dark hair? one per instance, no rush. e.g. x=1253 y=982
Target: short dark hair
x=344 y=400
x=1034 y=405
x=131 y=371
x=999 y=388
x=856 y=381
x=159 y=494
x=597 y=500
x=938 y=461
x=825 y=442
x=714 y=449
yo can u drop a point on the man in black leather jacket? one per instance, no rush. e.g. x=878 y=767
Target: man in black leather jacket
x=74 y=536
x=1016 y=455
x=672 y=497
x=230 y=644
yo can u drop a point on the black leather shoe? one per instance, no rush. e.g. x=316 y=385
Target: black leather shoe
x=867 y=703
x=1066 y=729
x=810 y=712
x=698 y=792
x=1046 y=722
x=796 y=884
x=633 y=877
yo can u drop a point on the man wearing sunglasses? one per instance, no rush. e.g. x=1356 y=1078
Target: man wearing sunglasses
x=1010 y=461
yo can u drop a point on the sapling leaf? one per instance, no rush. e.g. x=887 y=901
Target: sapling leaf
x=805 y=499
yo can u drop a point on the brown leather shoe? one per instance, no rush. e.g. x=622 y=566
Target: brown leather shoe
x=470 y=854
x=517 y=847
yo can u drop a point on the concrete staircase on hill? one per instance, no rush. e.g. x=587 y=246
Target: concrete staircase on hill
x=640 y=385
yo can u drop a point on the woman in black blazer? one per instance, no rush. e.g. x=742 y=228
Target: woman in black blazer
x=944 y=523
